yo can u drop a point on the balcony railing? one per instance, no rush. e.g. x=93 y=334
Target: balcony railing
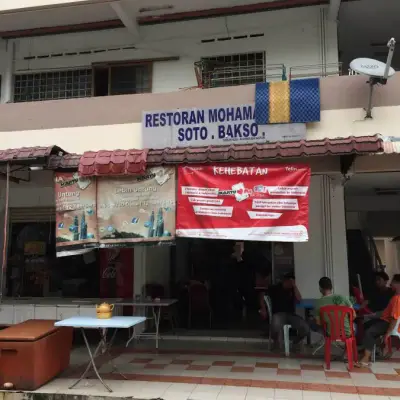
x=315 y=70
x=211 y=75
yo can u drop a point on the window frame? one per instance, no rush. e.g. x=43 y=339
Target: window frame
x=233 y=81
x=113 y=64
x=46 y=74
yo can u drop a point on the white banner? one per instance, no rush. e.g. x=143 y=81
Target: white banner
x=212 y=126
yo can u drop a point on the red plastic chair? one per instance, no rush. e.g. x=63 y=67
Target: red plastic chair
x=199 y=302
x=335 y=332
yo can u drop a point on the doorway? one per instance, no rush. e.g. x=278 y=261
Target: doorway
x=219 y=283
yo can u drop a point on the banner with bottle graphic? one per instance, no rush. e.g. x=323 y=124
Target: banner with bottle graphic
x=260 y=202
x=137 y=209
x=76 y=219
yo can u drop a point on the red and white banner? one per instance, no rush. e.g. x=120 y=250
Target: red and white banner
x=260 y=202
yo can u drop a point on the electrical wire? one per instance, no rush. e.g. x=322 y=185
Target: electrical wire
x=5 y=232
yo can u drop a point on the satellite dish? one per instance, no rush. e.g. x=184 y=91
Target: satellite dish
x=377 y=71
x=371 y=67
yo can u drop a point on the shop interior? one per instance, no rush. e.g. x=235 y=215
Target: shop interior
x=218 y=284
x=35 y=271
x=372 y=214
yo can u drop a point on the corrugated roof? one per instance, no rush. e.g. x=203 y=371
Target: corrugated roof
x=26 y=154
x=257 y=152
x=391 y=145
x=68 y=161
x=127 y=162
x=116 y=162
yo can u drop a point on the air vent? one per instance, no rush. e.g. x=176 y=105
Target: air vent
x=387 y=192
x=238 y=37
x=378 y=44
x=79 y=53
x=156 y=8
x=380 y=54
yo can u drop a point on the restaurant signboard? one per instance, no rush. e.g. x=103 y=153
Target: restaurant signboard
x=223 y=125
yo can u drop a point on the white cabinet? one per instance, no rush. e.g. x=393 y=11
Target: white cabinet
x=64 y=312
x=23 y=312
x=45 y=312
x=6 y=314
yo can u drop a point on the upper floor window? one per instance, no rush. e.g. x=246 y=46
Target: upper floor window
x=53 y=85
x=117 y=79
x=232 y=70
x=101 y=80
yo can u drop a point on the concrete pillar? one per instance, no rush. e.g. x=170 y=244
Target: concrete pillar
x=7 y=80
x=325 y=254
x=340 y=270
x=309 y=256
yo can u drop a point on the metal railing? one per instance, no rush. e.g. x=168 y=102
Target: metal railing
x=352 y=72
x=373 y=251
x=315 y=70
x=229 y=74
x=215 y=74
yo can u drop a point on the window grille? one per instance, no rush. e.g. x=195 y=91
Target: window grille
x=130 y=79
x=53 y=85
x=232 y=70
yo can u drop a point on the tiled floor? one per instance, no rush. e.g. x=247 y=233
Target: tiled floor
x=195 y=371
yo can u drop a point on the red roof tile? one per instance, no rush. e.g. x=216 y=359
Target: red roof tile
x=29 y=153
x=117 y=162
x=121 y=162
x=68 y=161
x=250 y=152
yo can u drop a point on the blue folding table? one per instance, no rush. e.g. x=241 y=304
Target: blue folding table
x=102 y=325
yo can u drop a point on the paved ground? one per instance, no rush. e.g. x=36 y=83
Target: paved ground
x=228 y=371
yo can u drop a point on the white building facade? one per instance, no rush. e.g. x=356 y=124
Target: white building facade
x=79 y=74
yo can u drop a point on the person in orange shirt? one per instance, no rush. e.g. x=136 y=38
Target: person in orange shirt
x=383 y=326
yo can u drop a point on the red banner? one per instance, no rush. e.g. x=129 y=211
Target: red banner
x=260 y=202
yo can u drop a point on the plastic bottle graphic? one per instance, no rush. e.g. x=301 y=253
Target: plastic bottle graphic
x=83 y=227
x=159 y=223
x=76 y=228
x=151 y=225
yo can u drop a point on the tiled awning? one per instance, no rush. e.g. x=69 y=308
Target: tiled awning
x=28 y=155
x=128 y=162
x=117 y=162
x=259 y=152
x=391 y=145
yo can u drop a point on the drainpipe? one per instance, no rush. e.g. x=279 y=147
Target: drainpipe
x=334 y=7
x=7 y=82
x=5 y=236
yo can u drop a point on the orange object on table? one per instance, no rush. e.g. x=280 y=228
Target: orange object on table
x=32 y=353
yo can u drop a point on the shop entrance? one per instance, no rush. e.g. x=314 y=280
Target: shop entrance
x=219 y=283
x=373 y=232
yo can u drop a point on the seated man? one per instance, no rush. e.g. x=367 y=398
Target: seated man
x=284 y=297
x=381 y=297
x=330 y=299
x=383 y=326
